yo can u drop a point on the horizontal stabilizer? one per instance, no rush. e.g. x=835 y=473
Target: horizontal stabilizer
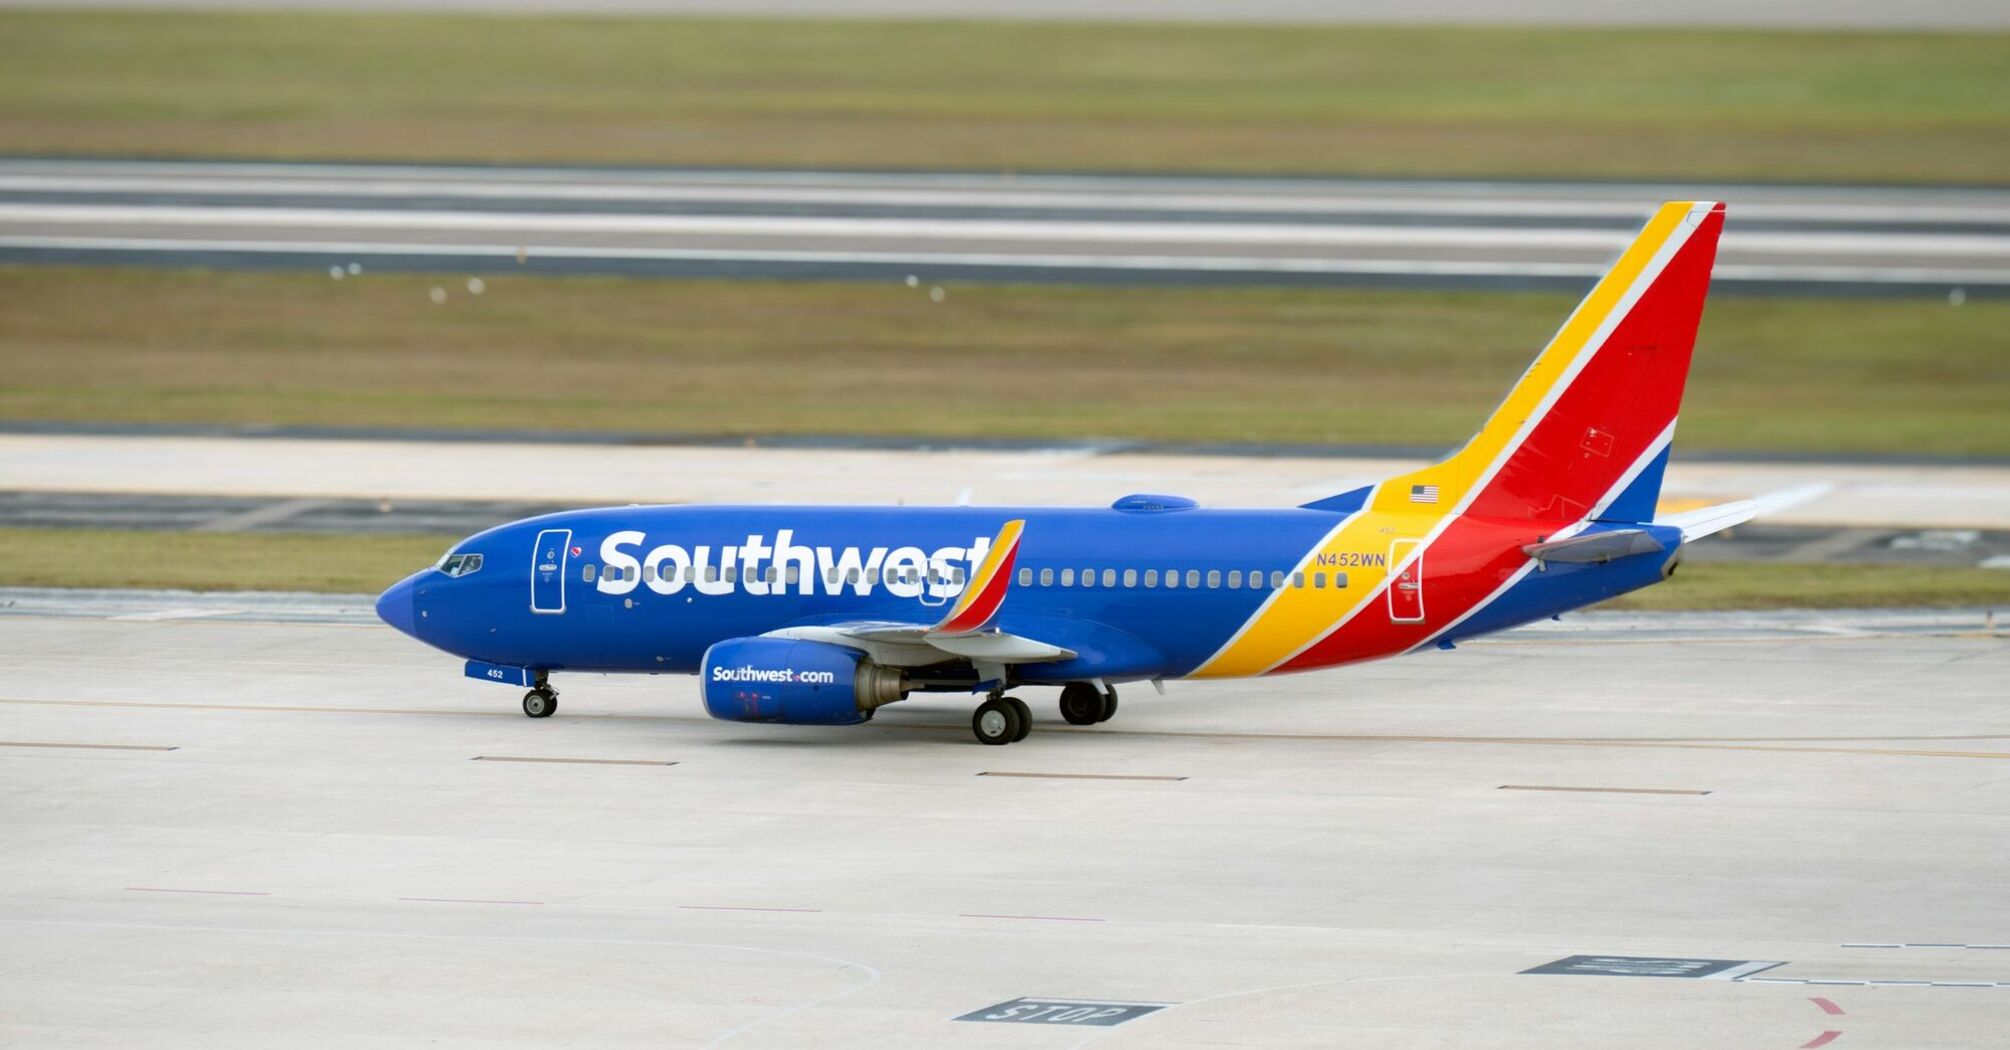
x=1595 y=546
x=1701 y=522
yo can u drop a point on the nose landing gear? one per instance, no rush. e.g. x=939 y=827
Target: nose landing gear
x=541 y=701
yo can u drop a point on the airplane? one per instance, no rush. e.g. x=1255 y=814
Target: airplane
x=821 y=615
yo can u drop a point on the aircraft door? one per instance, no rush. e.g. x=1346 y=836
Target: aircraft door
x=547 y=570
x=1406 y=590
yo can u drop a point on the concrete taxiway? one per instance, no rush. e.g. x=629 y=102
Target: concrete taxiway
x=970 y=227
x=225 y=834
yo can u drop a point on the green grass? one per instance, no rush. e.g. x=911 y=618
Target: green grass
x=263 y=561
x=204 y=561
x=1343 y=99
x=1223 y=365
x=1747 y=585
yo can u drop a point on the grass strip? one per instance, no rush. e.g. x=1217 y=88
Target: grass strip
x=212 y=561
x=270 y=561
x=1346 y=99
x=1061 y=363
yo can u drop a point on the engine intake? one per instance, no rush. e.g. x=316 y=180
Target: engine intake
x=792 y=682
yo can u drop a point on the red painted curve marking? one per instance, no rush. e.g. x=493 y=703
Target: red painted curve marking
x=1823 y=1039
x=1827 y=1006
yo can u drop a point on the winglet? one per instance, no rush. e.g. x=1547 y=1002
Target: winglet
x=986 y=592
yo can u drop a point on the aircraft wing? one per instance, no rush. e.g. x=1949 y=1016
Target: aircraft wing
x=919 y=645
x=966 y=632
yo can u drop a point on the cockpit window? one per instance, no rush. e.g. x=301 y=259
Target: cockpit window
x=460 y=564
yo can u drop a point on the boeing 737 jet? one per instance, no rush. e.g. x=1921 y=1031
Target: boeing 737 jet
x=821 y=615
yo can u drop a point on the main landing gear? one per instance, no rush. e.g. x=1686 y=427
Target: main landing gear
x=541 y=701
x=1005 y=719
x=1002 y=720
x=1082 y=704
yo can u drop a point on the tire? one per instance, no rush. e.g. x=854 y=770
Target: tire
x=1081 y=705
x=1109 y=705
x=539 y=703
x=1025 y=717
x=996 y=722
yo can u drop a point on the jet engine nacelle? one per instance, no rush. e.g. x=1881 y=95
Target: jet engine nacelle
x=794 y=682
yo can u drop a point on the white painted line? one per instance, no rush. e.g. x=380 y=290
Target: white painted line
x=1114 y=263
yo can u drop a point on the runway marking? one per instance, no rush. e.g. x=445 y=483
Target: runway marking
x=89 y=747
x=223 y=893
x=1827 y=1006
x=1917 y=944
x=575 y=761
x=463 y=900
x=1074 y=776
x=1042 y=918
x=1670 y=743
x=1823 y=1039
x=1875 y=982
x=1615 y=791
x=740 y=908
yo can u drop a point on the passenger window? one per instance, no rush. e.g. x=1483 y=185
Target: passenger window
x=1318 y=579
x=1025 y=577
x=1298 y=580
x=795 y=575
x=1172 y=578
x=1130 y=577
x=586 y=573
x=1193 y=577
x=1213 y=578
x=831 y=576
x=711 y=574
x=1046 y=577
x=1277 y=580
x=1109 y=577
x=649 y=573
x=1067 y=577
x=1151 y=577
x=851 y=576
x=1234 y=579
x=1088 y=577
x=1339 y=579
x=956 y=575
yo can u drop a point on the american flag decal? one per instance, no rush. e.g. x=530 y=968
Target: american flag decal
x=1423 y=494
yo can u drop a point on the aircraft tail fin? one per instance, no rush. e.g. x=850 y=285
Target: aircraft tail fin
x=1584 y=433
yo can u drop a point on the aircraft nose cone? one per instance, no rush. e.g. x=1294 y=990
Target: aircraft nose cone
x=397 y=607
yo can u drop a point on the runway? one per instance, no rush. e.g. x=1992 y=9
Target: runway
x=1854 y=495
x=967 y=227
x=219 y=831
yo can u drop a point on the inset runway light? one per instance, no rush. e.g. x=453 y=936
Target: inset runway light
x=335 y=272
x=936 y=294
x=439 y=295
x=476 y=286
x=913 y=281
x=355 y=268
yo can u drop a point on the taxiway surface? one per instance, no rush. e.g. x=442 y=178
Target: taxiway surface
x=977 y=227
x=227 y=834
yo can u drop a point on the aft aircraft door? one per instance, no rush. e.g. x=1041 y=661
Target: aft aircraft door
x=547 y=571
x=1406 y=591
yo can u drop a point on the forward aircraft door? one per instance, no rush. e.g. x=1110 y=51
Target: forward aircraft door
x=1406 y=591
x=547 y=571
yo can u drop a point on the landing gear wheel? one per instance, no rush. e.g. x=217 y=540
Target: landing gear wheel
x=997 y=721
x=1109 y=705
x=1025 y=717
x=540 y=702
x=1081 y=705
